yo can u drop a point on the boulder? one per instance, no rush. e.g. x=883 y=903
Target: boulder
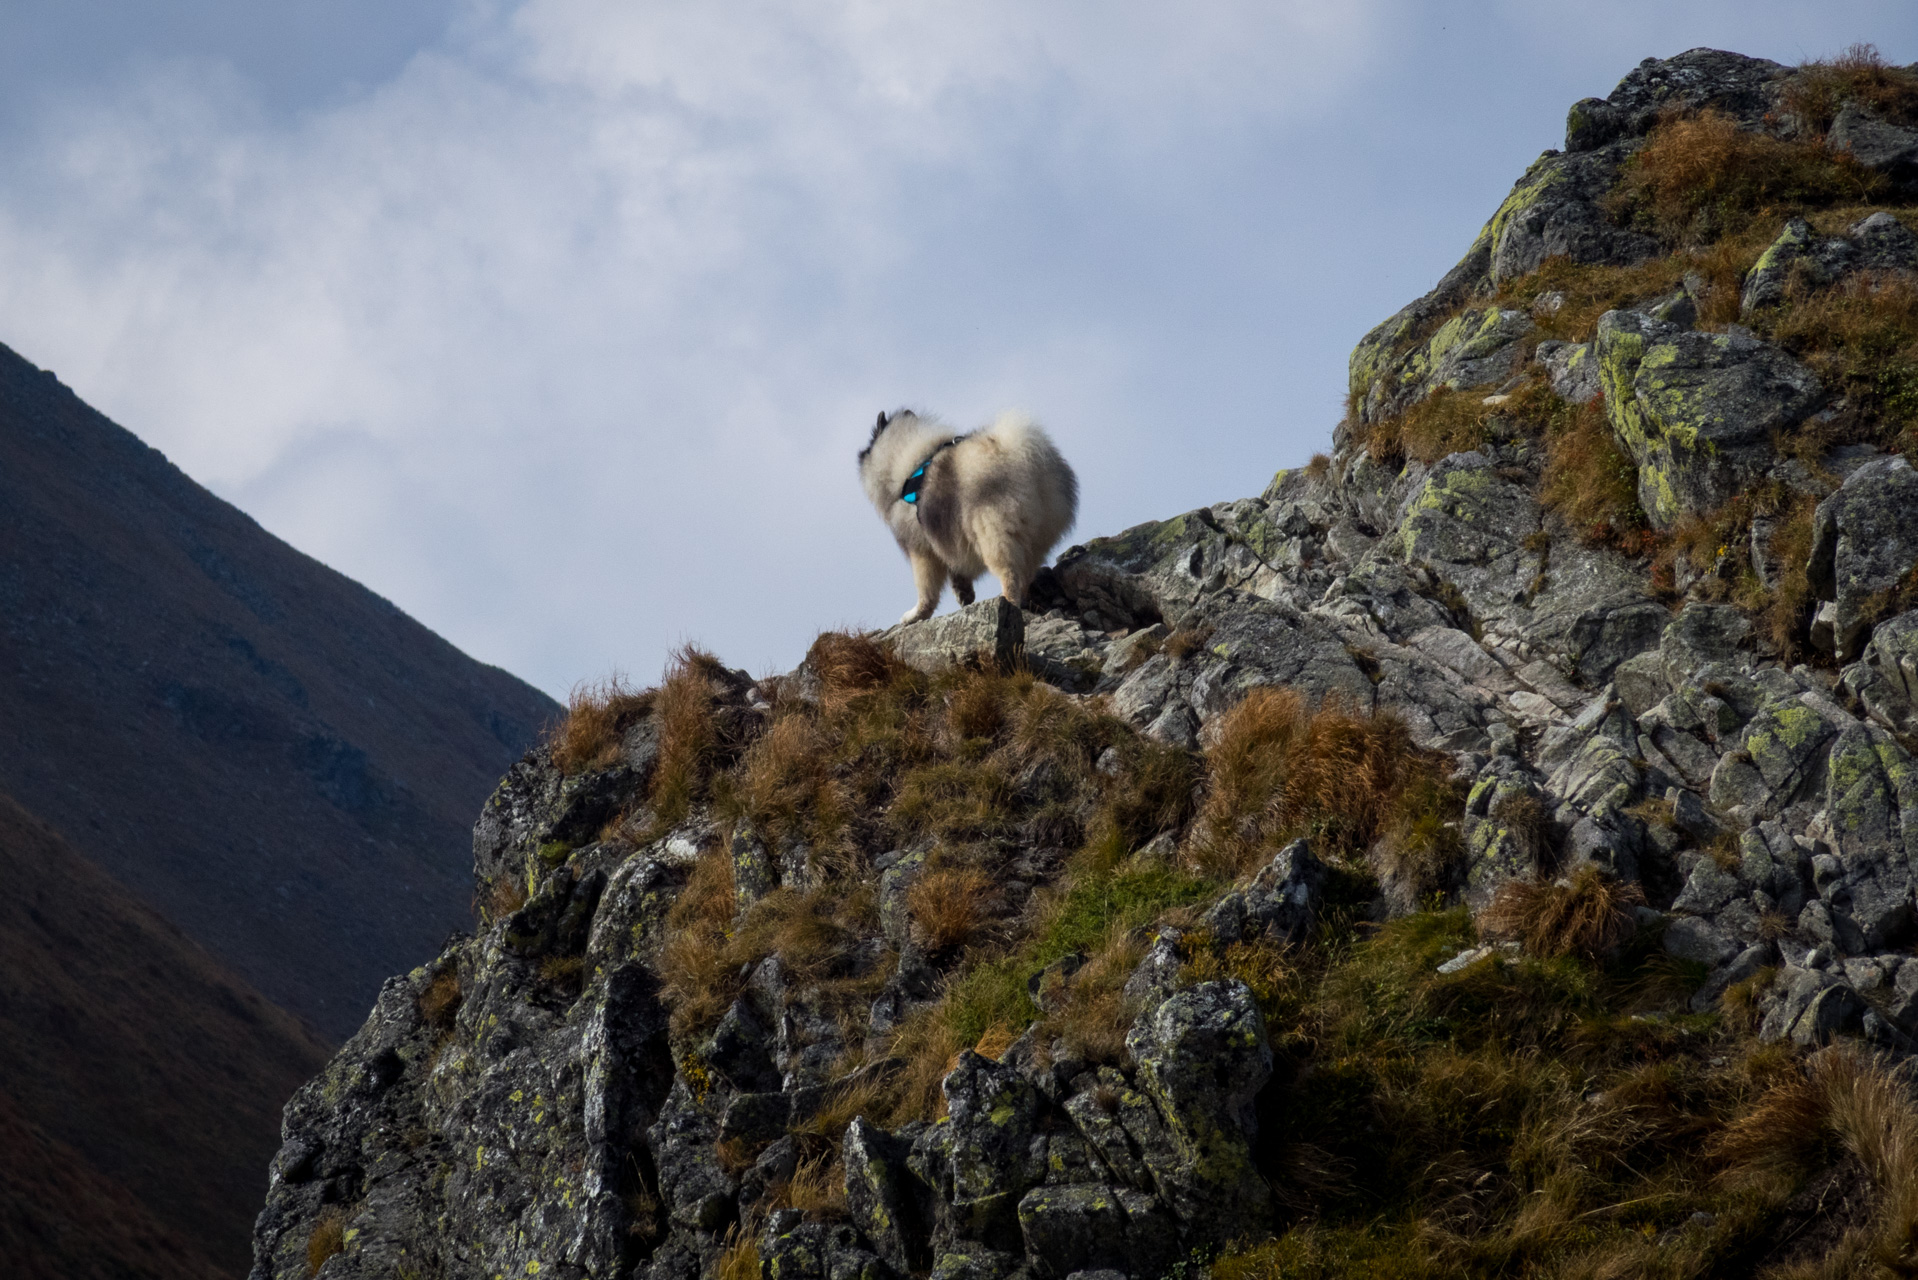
x=1864 y=542
x=1202 y=1058
x=1808 y=1007
x=988 y=631
x=1799 y=253
x=1888 y=148
x=1696 y=411
x=1884 y=243
x=1282 y=902
x=879 y=1196
x=1872 y=802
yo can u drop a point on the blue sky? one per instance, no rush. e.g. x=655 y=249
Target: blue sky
x=559 y=322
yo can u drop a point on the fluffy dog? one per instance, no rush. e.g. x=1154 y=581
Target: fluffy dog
x=999 y=498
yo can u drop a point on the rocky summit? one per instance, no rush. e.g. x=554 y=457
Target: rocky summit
x=1487 y=851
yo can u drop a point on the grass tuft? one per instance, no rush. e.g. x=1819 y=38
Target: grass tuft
x=1586 y=914
x=327 y=1240
x=1592 y=484
x=1700 y=177
x=1354 y=783
x=596 y=715
x=1860 y=74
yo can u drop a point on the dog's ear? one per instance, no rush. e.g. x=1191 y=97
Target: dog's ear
x=881 y=424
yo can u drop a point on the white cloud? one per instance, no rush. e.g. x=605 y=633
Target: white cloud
x=563 y=337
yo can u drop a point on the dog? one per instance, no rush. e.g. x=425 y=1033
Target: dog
x=997 y=499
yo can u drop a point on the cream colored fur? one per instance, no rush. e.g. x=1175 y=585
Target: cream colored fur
x=998 y=500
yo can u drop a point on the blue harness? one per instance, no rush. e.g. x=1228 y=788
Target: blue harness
x=910 y=494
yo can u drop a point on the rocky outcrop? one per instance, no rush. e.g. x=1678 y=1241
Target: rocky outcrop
x=1631 y=708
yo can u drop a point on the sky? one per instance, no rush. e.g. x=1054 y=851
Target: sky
x=559 y=322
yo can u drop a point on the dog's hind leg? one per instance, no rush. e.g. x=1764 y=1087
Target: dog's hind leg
x=1012 y=581
x=929 y=575
x=962 y=589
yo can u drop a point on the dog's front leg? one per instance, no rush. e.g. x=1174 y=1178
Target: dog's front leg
x=929 y=575
x=962 y=588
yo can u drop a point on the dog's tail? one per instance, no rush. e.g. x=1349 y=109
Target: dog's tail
x=1019 y=437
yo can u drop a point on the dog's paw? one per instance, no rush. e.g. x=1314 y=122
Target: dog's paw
x=914 y=615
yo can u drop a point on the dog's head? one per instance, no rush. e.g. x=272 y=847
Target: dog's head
x=879 y=428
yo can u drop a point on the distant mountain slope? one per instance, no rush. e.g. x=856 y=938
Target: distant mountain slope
x=278 y=760
x=140 y=1081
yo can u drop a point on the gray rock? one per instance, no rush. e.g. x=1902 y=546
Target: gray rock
x=894 y=883
x=1690 y=938
x=990 y=631
x=1282 y=901
x=1202 y=1057
x=1808 y=1007
x=819 y=1251
x=1158 y=973
x=1700 y=634
x=1498 y=849
x=1872 y=800
x=1798 y=252
x=1707 y=890
x=1089 y=1227
x=1696 y=411
x=1885 y=678
x=1640 y=681
x=879 y=1196
x=1734 y=85
x=1885 y=243
x=1864 y=541
x=982 y=1161
x=1572 y=370
x=1744 y=965
x=1888 y=148
x=696 y=1189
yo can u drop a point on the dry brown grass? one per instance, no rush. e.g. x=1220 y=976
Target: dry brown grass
x=994 y=1041
x=504 y=896
x=1273 y=973
x=1319 y=466
x=688 y=736
x=817 y=1189
x=1446 y=421
x=1452 y=421
x=439 y=1003
x=1185 y=641
x=1593 y=484
x=1785 y=612
x=864 y=1093
x=1849 y=1101
x=709 y=950
x=327 y=1240
x=1353 y=782
x=784 y=785
x=1701 y=177
x=1094 y=1015
x=596 y=715
x=929 y=1046
x=697 y=977
x=1861 y=337
x=739 y=1260
x=949 y=905
x=563 y=970
x=1859 y=74
x=848 y=665
x=1587 y=914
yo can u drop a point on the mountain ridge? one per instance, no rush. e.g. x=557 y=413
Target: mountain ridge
x=246 y=738
x=1490 y=850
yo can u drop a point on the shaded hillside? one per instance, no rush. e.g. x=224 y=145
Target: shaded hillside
x=280 y=761
x=140 y=1081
